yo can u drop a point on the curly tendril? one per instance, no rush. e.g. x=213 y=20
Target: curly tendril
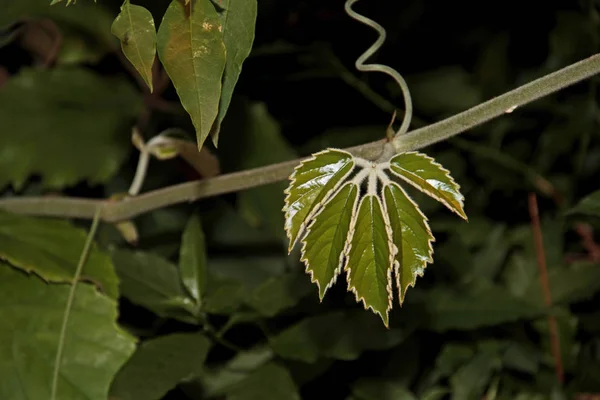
x=361 y=66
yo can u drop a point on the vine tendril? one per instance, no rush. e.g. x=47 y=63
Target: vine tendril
x=361 y=66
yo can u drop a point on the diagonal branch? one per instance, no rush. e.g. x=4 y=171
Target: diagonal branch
x=114 y=211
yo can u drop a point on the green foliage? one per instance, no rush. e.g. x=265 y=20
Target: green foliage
x=134 y=27
x=71 y=149
x=218 y=307
x=33 y=310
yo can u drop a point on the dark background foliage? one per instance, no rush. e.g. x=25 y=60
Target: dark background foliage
x=475 y=325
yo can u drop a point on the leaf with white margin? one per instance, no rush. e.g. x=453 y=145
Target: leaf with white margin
x=311 y=183
x=411 y=234
x=370 y=256
x=323 y=246
x=428 y=176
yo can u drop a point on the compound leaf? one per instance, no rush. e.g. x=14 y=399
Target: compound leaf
x=311 y=183
x=191 y=48
x=411 y=234
x=134 y=26
x=323 y=246
x=428 y=176
x=239 y=20
x=32 y=313
x=51 y=249
x=369 y=257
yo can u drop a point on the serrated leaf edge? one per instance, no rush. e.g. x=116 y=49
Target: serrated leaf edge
x=431 y=194
x=393 y=251
x=316 y=208
x=341 y=256
x=429 y=242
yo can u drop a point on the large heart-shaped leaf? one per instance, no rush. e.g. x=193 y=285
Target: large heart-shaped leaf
x=51 y=249
x=134 y=26
x=239 y=19
x=312 y=181
x=191 y=48
x=64 y=124
x=32 y=314
x=411 y=235
x=323 y=246
x=429 y=177
x=369 y=257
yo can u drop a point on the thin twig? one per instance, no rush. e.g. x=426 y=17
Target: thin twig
x=115 y=211
x=70 y=300
x=543 y=274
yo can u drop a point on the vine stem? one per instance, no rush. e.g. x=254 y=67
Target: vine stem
x=71 y=299
x=115 y=211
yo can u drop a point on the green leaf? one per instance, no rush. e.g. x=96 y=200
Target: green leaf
x=411 y=233
x=310 y=184
x=475 y=306
x=42 y=116
x=431 y=178
x=470 y=380
x=370 y=256
x=95 y=347
x=191 y=48
x=239 y=20
x=158 y=365
x=93 y=20
x=338 y=335
x=153 y=283
x=134 y=26
x=378 y=389
x=192 y=259
x=579 y=281
x=270 y=381
x=51 y=249
x=223 y=297
x=325 y=240
x=279 y=293
x=589 y=205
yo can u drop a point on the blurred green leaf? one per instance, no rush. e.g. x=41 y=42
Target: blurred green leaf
x=443 y=91
x=451 y=358
x=239 y=20
x=95 y=347
x=65 y=125
x=567 y=325
x=153 y=283
x=339 y=335
x=218 y=381
x=270 y=381
x=159 y=364
x=477 y=305
x=191 y=48
x=379 y=389
x=51 y=249
x=577 y=282
x=589 y=205
x=192 y=259
x=521 y=358
x=224 y=297
x=470 y=380
x=92 y=19
x=435 y=393
x=279 y=293
x=253 y=130
x=134 y=26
